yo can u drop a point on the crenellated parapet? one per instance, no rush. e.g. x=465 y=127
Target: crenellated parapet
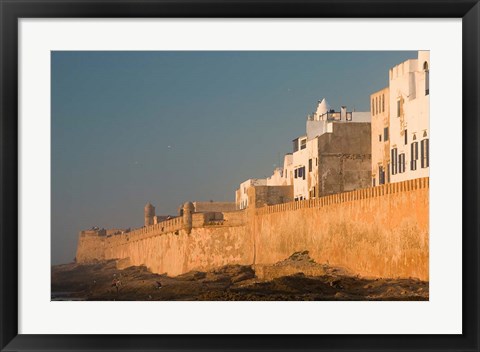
x=93 y=233
x=359 y=194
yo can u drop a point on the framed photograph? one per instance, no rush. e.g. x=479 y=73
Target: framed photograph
x=239 y=175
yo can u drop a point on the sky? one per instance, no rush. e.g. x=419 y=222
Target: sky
x=169 y=127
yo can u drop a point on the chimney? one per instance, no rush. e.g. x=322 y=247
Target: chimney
x=343 y=113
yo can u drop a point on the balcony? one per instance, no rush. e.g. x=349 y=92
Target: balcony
x=336 y=116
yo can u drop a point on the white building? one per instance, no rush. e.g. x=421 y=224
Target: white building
x=241 y=195
x=409 y=118
x=320 y=121
x=380 y=107
x=318 y=165
x=282 y=176
x=307 y=151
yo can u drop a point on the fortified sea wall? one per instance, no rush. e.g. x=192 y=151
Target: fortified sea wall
x=380 y=231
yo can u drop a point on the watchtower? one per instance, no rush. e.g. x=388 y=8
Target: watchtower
x=149 y=214
x=188 y=210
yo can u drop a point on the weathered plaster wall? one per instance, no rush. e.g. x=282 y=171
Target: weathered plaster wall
x=344 y=158
x=214 y=206
x=381 y=231
x=234 y=218
x=203 y=249
x=90 y=247
x=260 y=196
x=343 y=172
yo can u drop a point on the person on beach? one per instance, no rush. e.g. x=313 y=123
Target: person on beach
x=116 y=283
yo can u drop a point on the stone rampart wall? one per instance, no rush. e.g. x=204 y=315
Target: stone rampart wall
x=177 y=253
x=234 y=218
x=380 y=231
x=90 y=247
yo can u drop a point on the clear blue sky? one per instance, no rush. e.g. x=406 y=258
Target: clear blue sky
x=167 y=127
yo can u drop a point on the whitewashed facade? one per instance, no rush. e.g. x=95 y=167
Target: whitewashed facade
x=241 y=195
x=306 y=151
x=301 y=167
x=409 y=118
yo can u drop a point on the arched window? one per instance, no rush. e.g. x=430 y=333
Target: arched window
x=427 y=78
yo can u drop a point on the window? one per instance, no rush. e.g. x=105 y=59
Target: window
x=405 y=137
x=427 y=78
x=424 y=153
x=394 y=161
x=401 y=163
x=310 y=165
x=383 y=103
x=379 y=137
x=385 y=134
x=303 y=144
x=300 y=172
x=381 y=175
x=376 y=104
x=373 y=106
x=295 y=145
x=413 y=156
x=373 y=182
x=400 y=107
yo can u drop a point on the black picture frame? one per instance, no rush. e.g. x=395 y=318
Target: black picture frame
x=11 y=11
